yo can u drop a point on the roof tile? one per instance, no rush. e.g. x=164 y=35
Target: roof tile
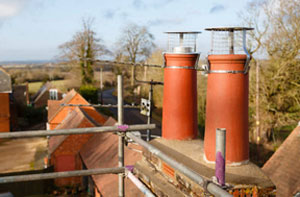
x=284 y=167
x=101 y=151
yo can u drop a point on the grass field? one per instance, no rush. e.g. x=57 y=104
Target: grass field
x=59 y=84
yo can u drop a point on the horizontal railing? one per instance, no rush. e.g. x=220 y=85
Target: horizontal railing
x=54 y=175
x=42 y=133
x=102 y=105
x=194 y=176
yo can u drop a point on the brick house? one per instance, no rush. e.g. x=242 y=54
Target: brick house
x=57 y=113
x=64 y=150
x=45 y=93
x=283 y=167
x=5 y=91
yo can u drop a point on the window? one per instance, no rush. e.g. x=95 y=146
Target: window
x=53 y=94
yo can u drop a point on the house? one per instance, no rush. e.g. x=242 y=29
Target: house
x=101 y=151
x=5 y=91
x=45 y=93
x=284 y=167
x=64 y=150
x=57 y=112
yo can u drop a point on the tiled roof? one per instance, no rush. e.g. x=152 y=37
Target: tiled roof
x=69 y=96
x=101 y=151
x=73 y=119
x=94 y=115
x=284 y=166
x=5 y=82
x=53 y=106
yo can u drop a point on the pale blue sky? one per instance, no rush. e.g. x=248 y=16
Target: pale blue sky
x=33 y=29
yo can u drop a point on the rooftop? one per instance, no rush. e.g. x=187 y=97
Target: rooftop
x=5 y=82
x=284 y=167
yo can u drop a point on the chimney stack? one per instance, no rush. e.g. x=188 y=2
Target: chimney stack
x=180 y=118
x=227 y=94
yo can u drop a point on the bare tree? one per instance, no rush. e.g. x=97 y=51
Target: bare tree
x=279 y=92
x=254 y=16
x=84 y=47
x=281 y=78
x=135 y=45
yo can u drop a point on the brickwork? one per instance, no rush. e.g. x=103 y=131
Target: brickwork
x=4 y=112
x=65 y=150
x=246 y=180
x=174 y=177
x=66 y=157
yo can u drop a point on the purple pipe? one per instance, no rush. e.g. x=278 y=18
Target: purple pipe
x=220 y=168
x=220 y=155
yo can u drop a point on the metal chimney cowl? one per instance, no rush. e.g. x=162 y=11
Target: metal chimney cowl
x=180 y=117
x=227 y=94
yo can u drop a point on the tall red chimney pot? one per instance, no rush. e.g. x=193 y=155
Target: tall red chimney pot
x=180 y=120
x=227 y=95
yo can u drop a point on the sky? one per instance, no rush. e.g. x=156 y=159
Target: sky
x=33 y=29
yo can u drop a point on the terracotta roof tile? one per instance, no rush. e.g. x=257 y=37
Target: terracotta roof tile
x=94 y=114
x=73 y=120
x=53 y=106
x=69 y=96
x=101 y=151
x=283 y=167
x=67 y=100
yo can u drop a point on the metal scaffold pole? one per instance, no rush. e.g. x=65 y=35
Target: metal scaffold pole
x=150 y=111
x=76 y=131
x=189 y=173
x=121 y=135
x=55 y=175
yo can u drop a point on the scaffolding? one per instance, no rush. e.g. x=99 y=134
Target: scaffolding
x=122 y=131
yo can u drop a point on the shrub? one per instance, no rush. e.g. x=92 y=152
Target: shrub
x=89 y=92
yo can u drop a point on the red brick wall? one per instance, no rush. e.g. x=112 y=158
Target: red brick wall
x=4 y=112
x=65 y=163
x=66 y=156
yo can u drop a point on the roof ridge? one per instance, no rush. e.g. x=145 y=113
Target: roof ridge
x=77 y=112
x=62 y=101
x=91 y=119
x=41 y=91
x=67 y=98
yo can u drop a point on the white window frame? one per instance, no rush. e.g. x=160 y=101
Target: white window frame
x=53 y=94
